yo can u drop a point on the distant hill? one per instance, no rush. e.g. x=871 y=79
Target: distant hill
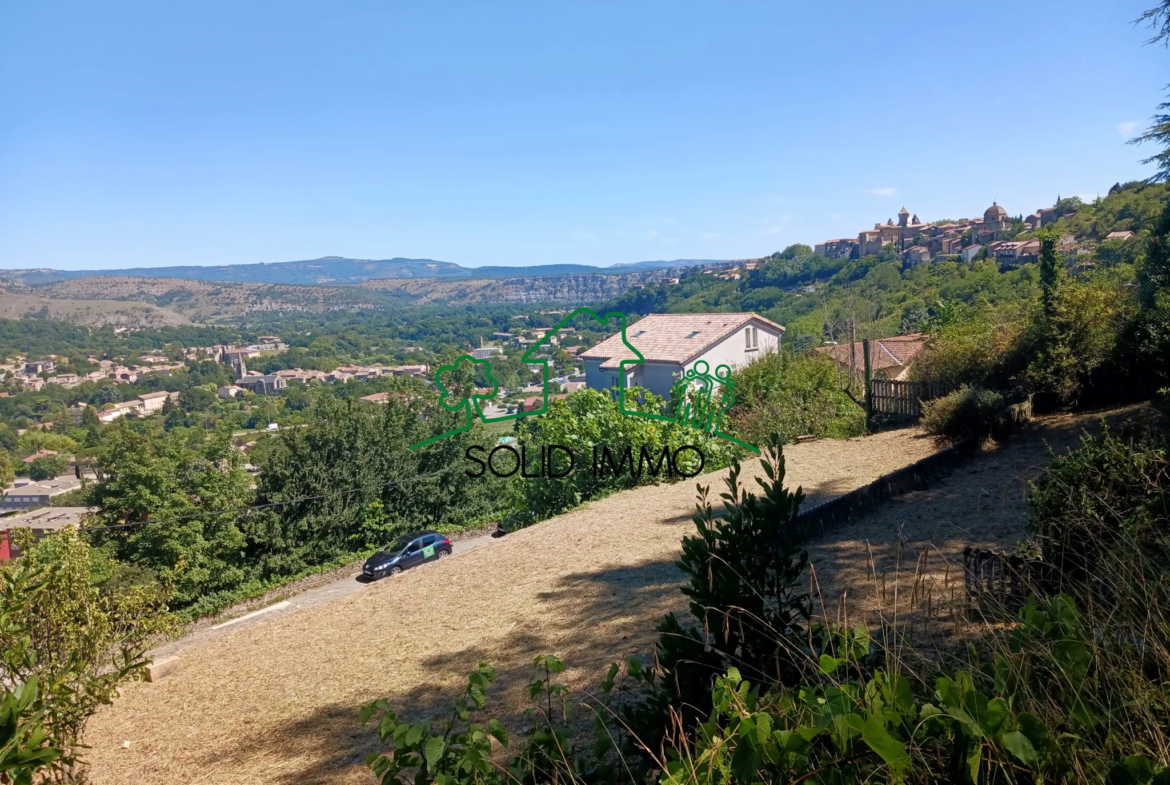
x=150 y=301
x=336 y=270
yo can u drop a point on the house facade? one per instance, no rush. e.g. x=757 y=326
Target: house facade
x=673 y=343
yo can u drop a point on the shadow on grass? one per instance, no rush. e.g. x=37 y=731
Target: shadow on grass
x=588 y=619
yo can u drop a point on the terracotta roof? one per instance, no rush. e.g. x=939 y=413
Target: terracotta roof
x=672 y=337
x=885 y=353
x=534 y=402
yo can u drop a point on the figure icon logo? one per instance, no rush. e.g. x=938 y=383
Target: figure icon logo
x=700 y=398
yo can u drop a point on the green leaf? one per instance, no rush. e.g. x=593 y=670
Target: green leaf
x=1033 y=728
x=610 y=676
x=1021 y=746
x=994 y=715
x=498 y=731
x=974 y=758
x=414 y=735
x=434 y=752
x=763 y=729
x=744 y=763
x=892 y=751
x=829 y=664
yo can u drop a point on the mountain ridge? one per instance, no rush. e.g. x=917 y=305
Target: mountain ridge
x=338 y=270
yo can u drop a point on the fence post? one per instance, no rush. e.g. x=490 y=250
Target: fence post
x=868 y=388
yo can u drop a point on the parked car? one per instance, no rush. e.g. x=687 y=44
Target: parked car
x=407 y=551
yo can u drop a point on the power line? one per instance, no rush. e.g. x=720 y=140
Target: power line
x=239 y=510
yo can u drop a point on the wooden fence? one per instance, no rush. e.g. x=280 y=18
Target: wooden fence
x=1003 y=580
x=904 y=398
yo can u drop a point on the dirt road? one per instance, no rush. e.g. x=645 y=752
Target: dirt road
x=276 y=702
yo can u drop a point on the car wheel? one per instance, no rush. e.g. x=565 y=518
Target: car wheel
x=444 y=554
x=395 y=570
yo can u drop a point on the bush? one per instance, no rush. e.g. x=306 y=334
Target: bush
x=1110 y=495
x=976 y=347
x=588 y=420
x=793 y=396
x=967 y=413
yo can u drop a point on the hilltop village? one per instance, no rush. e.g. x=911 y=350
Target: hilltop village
x=917 y=242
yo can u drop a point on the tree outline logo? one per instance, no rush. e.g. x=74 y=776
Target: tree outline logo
x=697 y=412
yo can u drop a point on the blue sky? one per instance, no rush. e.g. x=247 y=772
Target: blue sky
x=149 y=134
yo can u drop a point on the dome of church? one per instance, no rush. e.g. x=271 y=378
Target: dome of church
x=994 y=212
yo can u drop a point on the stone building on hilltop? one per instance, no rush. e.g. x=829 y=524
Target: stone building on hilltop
x=917 y=242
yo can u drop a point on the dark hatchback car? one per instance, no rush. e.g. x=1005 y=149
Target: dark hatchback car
x=407 y=551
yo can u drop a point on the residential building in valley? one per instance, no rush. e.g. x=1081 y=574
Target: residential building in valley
x=672 y=344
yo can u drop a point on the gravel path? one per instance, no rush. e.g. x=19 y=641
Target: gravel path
x=277 y=702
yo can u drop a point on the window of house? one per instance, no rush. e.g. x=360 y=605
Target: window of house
x=692 y=335
x=751 y=338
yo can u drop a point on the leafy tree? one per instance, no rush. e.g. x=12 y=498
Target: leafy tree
x=362 y=484
x=164 y=500
x=47 y=467
x=78 y=626
x=7 y=474
x=1158 y=18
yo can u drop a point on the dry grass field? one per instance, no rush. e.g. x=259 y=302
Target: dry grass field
x=911 y=547
x=277 y=702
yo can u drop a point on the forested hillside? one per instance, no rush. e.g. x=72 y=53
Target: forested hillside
x=815 y=297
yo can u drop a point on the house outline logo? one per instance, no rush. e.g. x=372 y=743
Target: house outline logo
x=698 y=412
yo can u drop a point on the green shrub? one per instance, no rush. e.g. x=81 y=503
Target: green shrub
x=967 y=413
x=793 y=395
x=78 y=497
x=979 y=347
x=747 y=605
x=589 y=420
x=1111 y=494
x=72 y=622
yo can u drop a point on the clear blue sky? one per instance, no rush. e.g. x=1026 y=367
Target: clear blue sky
x=161 y=133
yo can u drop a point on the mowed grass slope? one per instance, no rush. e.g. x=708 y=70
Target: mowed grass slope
x=277 y=702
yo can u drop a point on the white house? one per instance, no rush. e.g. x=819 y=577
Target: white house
x=672 y=343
